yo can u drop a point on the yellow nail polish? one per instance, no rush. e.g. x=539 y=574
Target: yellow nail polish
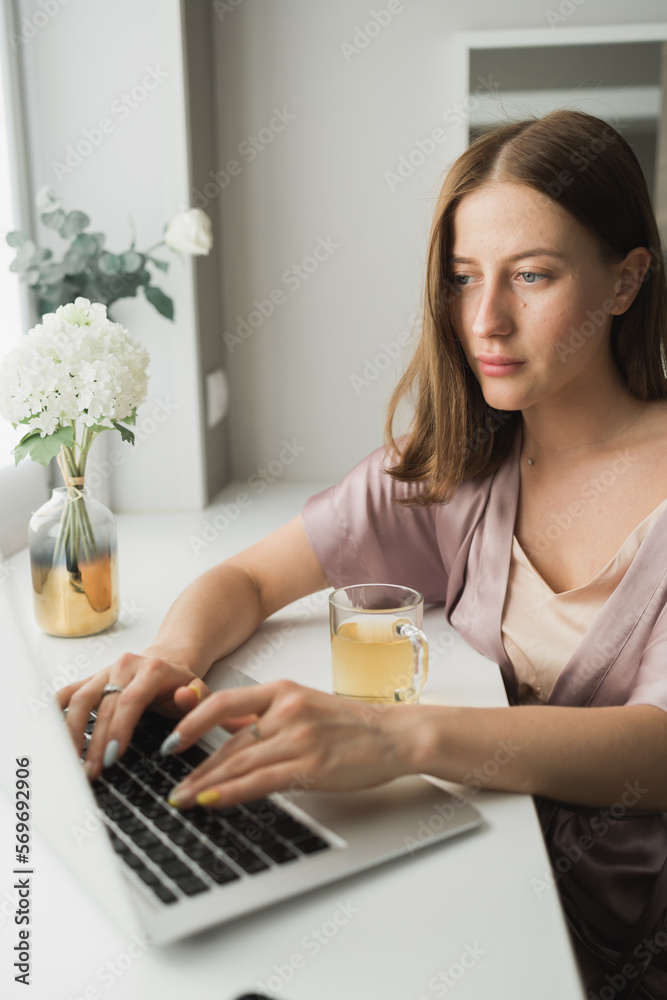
x=196 y=689
x=207 y=797
x=174 y=800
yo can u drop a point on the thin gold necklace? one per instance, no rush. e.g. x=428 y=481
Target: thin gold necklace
x=561 y=451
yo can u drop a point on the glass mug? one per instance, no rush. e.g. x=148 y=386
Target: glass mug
x=378 y=650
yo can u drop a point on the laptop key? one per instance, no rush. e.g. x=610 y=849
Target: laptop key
x=132 y=860
x=196 y=850
x=130 y=825
x=131 y=756
x=119 y=846
x=166 y=895
x=144 y=838
x=167 y=822
x=280 y=853
x=153 y=809
x=242 y=855
x=161 y=785
x=193 y=756
x=216 y=869
x=192 y=885
x=147 y=876
x=175 y=766
x=160 y=853
x=311 y=844
x=180 y=837
x=175 y=869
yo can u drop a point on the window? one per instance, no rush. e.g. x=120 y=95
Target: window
x=22 y=489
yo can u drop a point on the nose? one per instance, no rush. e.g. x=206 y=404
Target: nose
x=492 y=313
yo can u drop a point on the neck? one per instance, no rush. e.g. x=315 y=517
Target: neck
x=559 y=430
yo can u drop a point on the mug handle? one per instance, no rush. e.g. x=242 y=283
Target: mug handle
x=408 y=630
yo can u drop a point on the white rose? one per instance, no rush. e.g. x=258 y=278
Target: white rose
x=190 y=232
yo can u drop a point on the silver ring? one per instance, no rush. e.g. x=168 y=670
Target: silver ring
x=111 y=689
x=254 y=729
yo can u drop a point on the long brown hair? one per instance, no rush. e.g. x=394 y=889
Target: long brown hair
x=587 y=167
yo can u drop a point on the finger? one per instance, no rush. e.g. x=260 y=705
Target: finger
x=242 y=738
x=63 y=695
x=143 y=689
x=99 y=742
x=235 y=725
x=262 y=781
x=219 y=709
x=188 y=697
x=81 y=703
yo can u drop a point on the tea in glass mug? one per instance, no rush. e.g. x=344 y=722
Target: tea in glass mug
x=378 y=651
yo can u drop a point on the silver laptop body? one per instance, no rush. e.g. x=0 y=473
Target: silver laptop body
x=361 y=828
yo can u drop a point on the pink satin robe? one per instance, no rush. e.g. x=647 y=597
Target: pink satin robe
x=459 y=554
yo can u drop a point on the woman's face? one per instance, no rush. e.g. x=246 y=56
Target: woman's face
x=533 y=296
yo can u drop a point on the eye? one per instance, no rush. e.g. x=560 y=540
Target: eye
x=531 y=277
x=461 y=279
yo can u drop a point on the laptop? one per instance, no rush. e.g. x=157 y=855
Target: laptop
x=170 y=873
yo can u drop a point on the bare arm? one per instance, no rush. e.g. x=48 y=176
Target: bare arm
x=589 y=756
x=613 y=758
x=212 y=616
x=224 y=606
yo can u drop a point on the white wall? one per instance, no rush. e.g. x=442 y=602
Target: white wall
x=324 y=175
x=80 y=61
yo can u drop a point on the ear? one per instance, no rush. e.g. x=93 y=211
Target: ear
x=630 y=273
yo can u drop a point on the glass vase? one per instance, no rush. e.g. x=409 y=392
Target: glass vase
x=73 y=558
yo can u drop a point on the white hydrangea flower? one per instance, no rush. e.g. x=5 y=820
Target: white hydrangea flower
x=76 y=365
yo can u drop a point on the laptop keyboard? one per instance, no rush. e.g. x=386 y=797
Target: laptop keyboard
x=181 y=853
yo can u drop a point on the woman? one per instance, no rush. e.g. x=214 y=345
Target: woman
x=534 y=469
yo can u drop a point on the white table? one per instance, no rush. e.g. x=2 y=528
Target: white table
x=415 y=918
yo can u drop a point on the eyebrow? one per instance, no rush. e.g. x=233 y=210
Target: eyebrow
x=534 y=252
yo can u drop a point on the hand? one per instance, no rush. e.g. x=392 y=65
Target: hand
x=148 y=681
x=308 y=738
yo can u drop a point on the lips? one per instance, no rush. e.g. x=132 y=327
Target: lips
x=498 y=359
x=498 y=364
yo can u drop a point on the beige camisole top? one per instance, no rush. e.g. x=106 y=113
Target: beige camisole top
x=542 y=629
